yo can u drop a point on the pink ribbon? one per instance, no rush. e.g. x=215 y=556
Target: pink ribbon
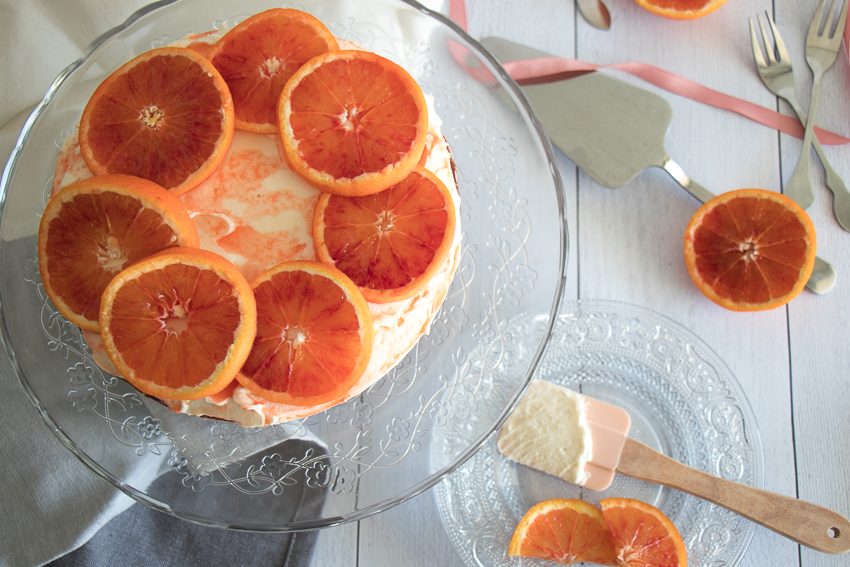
x=550 y=69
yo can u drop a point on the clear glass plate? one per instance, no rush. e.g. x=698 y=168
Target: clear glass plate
x=683 y=401
x=372 y=452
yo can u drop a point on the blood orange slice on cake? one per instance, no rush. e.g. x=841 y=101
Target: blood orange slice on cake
x=166 y=116
x=179 y=324
x=314 y=335
x=93 y=229
x=258 y=56
x=390 y=243
x=352 y=122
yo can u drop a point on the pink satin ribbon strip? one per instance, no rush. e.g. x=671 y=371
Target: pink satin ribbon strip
x=550 y=69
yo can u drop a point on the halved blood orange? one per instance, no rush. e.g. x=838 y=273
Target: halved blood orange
x=565 y=531
x=750 y=249
x=259 y=55
x=391 y=243
x=352 y=122
x=93 y=229
x=166 y=116
x=680 y=9
x=179 y=324
x=642 y=534
x=314 y=335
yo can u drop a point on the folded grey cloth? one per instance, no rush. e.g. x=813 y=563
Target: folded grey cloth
x=143 y=536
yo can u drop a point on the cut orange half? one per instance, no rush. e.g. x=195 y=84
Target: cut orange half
x=258 y=56
x=93 y=229
x=680 y=9
x=179 y=324
x=565 y=531
x=352 y=123
x=391 y=243
x=314 y=335
x=750 y=249
x=642 y=534
x=166 y=116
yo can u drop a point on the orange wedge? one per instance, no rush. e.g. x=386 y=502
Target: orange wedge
x=352 y=123
x=93 y=229
x=680 y=9
x=179 y=324
x=643 y=536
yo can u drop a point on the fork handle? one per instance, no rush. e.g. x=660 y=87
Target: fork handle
x=799 y=186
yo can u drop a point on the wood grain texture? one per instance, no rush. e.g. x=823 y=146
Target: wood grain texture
x=793 y=363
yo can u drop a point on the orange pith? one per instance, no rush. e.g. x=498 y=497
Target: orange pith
x=391 y=243
x=179 y=324
x=681 y=9
x=565 y=531
x=166 y=116
x=259 y=55
x=642 y=535
x=352 y=122
x=750 y=249
x=94 y=228
x=314 y=335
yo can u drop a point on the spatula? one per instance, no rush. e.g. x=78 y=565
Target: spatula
x=613 y=131
x=612 y=450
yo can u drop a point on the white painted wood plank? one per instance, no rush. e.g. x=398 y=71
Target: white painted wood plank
x=819 y=340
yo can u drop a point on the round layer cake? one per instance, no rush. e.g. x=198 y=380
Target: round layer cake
x=257 y=213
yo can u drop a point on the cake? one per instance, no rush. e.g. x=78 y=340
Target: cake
x=254 y=211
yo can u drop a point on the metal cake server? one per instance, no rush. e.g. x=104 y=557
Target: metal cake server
x=613 y=131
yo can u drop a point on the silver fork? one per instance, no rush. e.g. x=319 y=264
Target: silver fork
x=821 y=50
x=776 y=73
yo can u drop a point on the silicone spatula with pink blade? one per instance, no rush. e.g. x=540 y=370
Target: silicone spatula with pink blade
x=614 y=452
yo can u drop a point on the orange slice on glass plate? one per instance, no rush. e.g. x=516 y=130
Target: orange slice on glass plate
x=352 y=123
x=166 y=116
x=93 y=229
x=259 y=55
x=314 y=335
x=179 y=324
x=565 y=531
x=750 y=249
x=391 y=243
x=642 y=534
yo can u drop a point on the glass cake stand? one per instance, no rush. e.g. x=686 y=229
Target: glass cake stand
x=373 y=451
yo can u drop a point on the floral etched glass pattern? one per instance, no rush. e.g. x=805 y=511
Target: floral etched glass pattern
x=371 y=451
x=683 y=401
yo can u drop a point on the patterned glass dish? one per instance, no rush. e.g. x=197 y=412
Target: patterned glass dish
x=373 y=451
x=683 y=401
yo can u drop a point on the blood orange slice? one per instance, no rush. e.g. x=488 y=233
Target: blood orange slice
x=258 y=56
x=166 y=116
x=642 y=534
x=390 y=243
x=93 y=229
x=680 y=9
x=565 y=531
x=352 y=122
x=314 y=335
x=750 y=249
x=179 y=324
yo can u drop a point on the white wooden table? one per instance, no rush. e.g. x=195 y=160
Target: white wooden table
x=625 y=244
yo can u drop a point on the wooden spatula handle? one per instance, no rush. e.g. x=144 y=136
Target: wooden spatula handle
x=807 y=524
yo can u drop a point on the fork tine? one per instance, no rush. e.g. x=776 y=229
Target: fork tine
x=768 y=45
x=814 y=27
x=781 y=51
x=757 y=52
x=839 y=29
